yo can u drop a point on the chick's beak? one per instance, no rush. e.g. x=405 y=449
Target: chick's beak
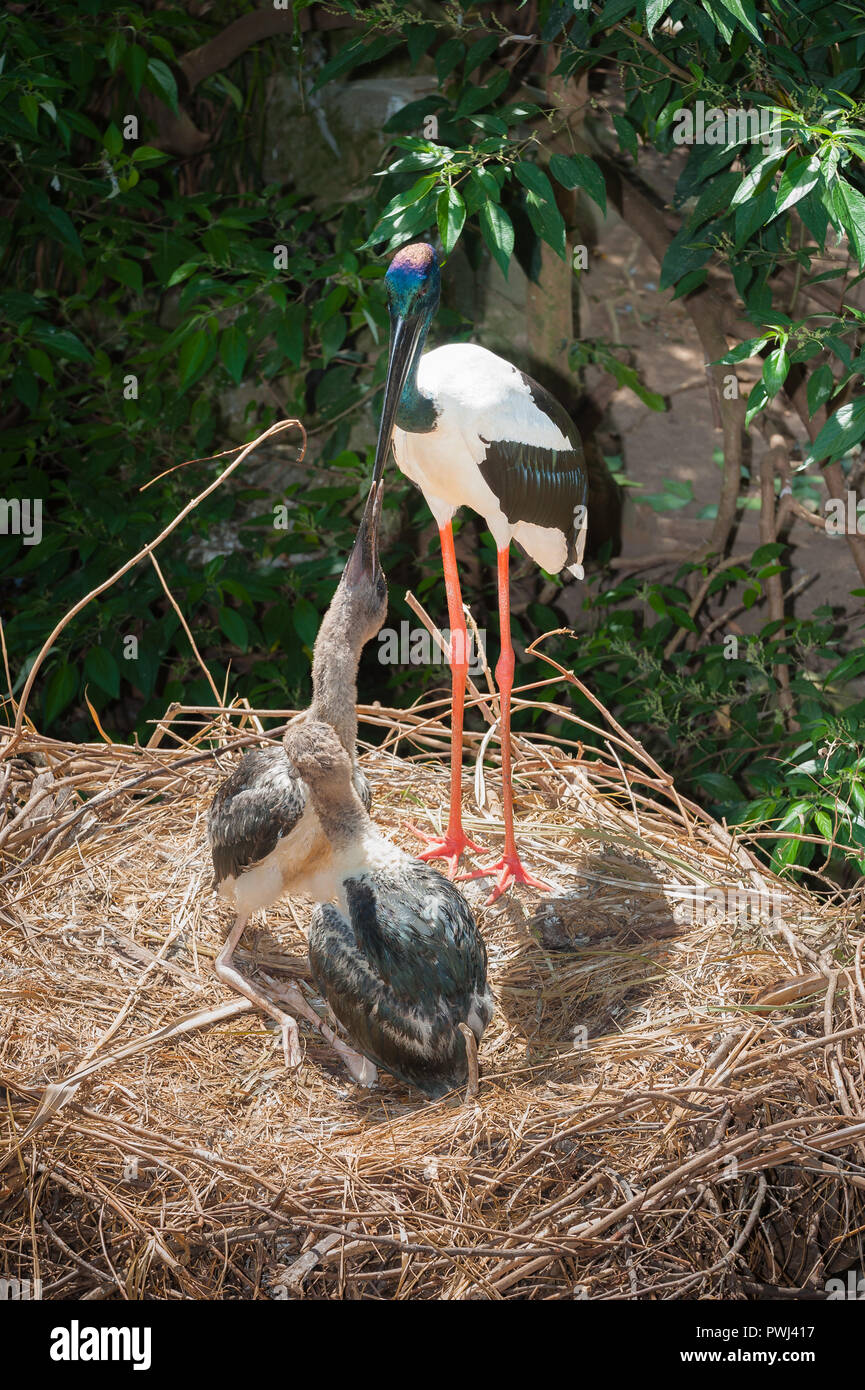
x=363 y=562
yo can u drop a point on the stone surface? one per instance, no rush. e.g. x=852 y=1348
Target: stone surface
x=328 y=144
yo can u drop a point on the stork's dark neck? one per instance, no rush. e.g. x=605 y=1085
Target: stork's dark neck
x=416 y=413
x=335 y=660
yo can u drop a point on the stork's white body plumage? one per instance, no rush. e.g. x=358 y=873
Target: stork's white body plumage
x=479 y=398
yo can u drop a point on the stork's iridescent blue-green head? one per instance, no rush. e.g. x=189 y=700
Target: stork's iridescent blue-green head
x=413 y=286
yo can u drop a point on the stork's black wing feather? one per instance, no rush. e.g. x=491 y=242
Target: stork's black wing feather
x=257 y=806
x=537 y=484
x=402 y=971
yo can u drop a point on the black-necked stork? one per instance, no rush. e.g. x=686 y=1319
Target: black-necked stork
x=265 y=836
x=472 y=430
x=397 y=956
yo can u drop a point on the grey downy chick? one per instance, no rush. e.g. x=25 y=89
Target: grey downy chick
x=265 y=837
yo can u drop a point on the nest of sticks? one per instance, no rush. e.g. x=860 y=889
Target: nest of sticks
x=671 y=1102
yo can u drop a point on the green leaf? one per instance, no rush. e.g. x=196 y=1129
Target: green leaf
x=26 y=388
x=135 y=66
x=182 y=272
x=764 y=553
x=850 y=211
x=28 y=105
x=101 y=668
x=757 y=177
x=775 y=370
x=40 y=363
x=191 y=359
x=752 y=216
x=821 y=384
x=289 y=333
x=688 y=251
x=61 y=689
x=749 y=348
x=627 y=136
x=114 y=50
x=840 y=432
x=418 y=190
x=757 y=399
x=160 y=80
x=355 y=54
x=533 y=178
x=851 y=666
x=232 y=350
x=62 y=224
x=579 y=171
x=745 y=12
x=448 y=57
x=541 y=206
x=149 y=154
x=824 y=825
x=498 y=232
x=128 y=273
x=305 y=620
x=655 y=11
x=719 y=786
x=476 y=98
x=714 y=199
x=234 y=627
x=798 y=178
x=547 y=222
x=676 y=494
x=481 y=52
x=61 y=342
x=113 y=141
x=332 y=336
x=451 y=211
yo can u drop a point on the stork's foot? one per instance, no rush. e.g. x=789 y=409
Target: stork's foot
x=450 y=846
x=510 y=871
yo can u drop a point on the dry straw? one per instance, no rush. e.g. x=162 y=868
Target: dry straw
x=671 y=1101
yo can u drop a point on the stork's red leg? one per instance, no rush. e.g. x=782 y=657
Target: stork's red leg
x=451 y=845
x=509 y=867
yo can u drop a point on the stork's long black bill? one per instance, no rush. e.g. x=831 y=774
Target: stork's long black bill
x=405 y=333
x=362 y=563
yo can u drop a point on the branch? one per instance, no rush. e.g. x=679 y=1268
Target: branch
x=220 y=52
x=773 y=456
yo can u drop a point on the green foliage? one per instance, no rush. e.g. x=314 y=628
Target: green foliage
x=128 y=308
x=139 y=290
x=714 y=714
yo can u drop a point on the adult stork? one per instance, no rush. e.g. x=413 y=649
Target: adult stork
x=265 y=836
x=472 y=430
x=397 y=956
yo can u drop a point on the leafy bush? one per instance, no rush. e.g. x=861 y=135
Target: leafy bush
x=140 y=289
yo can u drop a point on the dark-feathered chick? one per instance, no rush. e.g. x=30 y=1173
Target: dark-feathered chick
x=398 y=955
